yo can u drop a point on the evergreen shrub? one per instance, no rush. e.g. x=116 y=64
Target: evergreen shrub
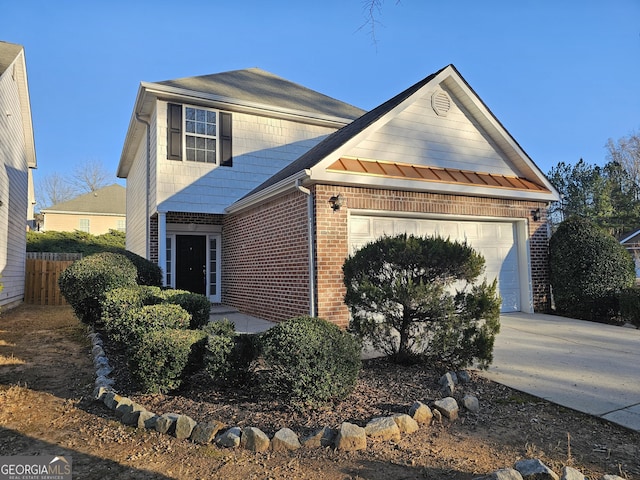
x=588 y=270
x=309 y=361
x=198 y=305
x=417 y=299
x=163 y=358
x=630 y=306
x=137 y=321
x=85 y=282
x=229 y=356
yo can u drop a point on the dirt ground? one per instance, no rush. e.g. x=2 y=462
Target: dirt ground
x=46 y=382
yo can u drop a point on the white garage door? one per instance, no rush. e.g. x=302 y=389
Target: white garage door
x=496 y=241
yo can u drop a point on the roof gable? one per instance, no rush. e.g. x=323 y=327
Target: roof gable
x=110 y=200
x=438 y=123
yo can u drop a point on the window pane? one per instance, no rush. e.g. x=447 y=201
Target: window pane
x=200 y=128
x=201 y=142
x=211 y=117
x=211 y=144
x=191 y=127
x=201 y=115
x=200 y=156
x=191 y=154
x=191 y=114
x=191 y=141
x=211 y=129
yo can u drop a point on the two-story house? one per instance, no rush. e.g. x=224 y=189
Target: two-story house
x=17 y=159
x=253 y=190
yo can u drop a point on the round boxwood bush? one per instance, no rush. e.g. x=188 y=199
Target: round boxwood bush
x=198 y=305
x=229 y=356
x=117 y=304
x=148 y=273
x=138 y=321
x=588 y=269
x=162 y=359
x=85 y=282
x=310 y=361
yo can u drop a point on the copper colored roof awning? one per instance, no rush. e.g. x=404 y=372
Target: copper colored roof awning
x=432 y=174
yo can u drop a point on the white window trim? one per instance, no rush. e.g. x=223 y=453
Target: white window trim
x=185 y=134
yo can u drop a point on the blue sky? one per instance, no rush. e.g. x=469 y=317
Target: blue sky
x=562 y=76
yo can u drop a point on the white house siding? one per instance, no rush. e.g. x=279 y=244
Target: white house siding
x=418 y=135
x=13 y=190
x=136 y=202
x=262 y=146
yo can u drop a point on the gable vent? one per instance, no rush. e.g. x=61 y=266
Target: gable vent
x=441 y=103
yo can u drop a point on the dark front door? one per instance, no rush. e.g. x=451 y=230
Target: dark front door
x=191 y=263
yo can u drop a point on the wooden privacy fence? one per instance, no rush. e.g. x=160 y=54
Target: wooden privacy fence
x=42 y=273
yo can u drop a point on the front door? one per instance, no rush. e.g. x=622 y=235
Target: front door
x=191 y=263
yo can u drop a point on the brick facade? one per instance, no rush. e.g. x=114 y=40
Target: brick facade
x=332 y=234
x=265 y=266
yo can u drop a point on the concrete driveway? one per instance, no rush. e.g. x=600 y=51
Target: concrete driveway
x=586 y=366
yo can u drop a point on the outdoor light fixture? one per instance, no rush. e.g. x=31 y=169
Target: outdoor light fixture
x=335 y=202
x=535 y=214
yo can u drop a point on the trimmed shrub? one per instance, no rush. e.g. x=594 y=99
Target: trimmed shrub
x=630 y=306
x=148 y=272
x=228 y=356
x=588 y=270
x=138 y=321
x=162 y=358
x=85 y=282
x=199 y=306
x=310 y=361
x=119 y=301
x=401 y=292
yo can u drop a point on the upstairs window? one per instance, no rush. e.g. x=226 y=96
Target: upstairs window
x=199 y=135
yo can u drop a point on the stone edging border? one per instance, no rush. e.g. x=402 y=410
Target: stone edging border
x=348 y=437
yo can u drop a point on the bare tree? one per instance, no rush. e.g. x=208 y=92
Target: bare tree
x=626 y=152
x=91 y=176
x=54 y=189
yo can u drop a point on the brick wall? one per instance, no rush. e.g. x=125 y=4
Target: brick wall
x=332 y=236
x=265 y=269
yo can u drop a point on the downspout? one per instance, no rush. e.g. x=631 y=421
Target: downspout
x=148 y=220
x=312 y=270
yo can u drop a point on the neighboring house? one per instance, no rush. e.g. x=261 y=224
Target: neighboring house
x=253 y=190
x=94 y=212
x=632 y=243
x=17 y=159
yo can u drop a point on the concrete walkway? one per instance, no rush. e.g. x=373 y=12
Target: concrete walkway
x=589 y=367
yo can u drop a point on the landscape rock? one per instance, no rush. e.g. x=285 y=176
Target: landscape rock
x=382 y=428
x=123 y=406
x=100 y=391
x=166 y=423
x=502 y=474
x=351 y=437
x=111 y=399
x=97 y=351
x=471 y=403
x=147 y=420
x=449 y=377
x=569 y=473
x=230 y=438
x=130 y=417
x=612 y=477
x=285 y=439
x=463 y=377
x=421 y=413
x=447 y=407
x=324 y=437
x=104 y=371
x=204 y=433
x=254 y=439
x=437 y=416
x=103 y=381
x=534 y=469
x=184 y=426
x=405 y=423
x=100 y=361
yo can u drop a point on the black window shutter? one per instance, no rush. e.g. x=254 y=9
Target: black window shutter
x=226 y=158
x=174 y=140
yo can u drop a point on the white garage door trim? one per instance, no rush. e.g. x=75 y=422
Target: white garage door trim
x=509 y=257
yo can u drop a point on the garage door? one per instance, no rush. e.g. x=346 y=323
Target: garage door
x=496 y=241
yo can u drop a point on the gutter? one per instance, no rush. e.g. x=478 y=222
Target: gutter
x=312 y=270
x=148 y=186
